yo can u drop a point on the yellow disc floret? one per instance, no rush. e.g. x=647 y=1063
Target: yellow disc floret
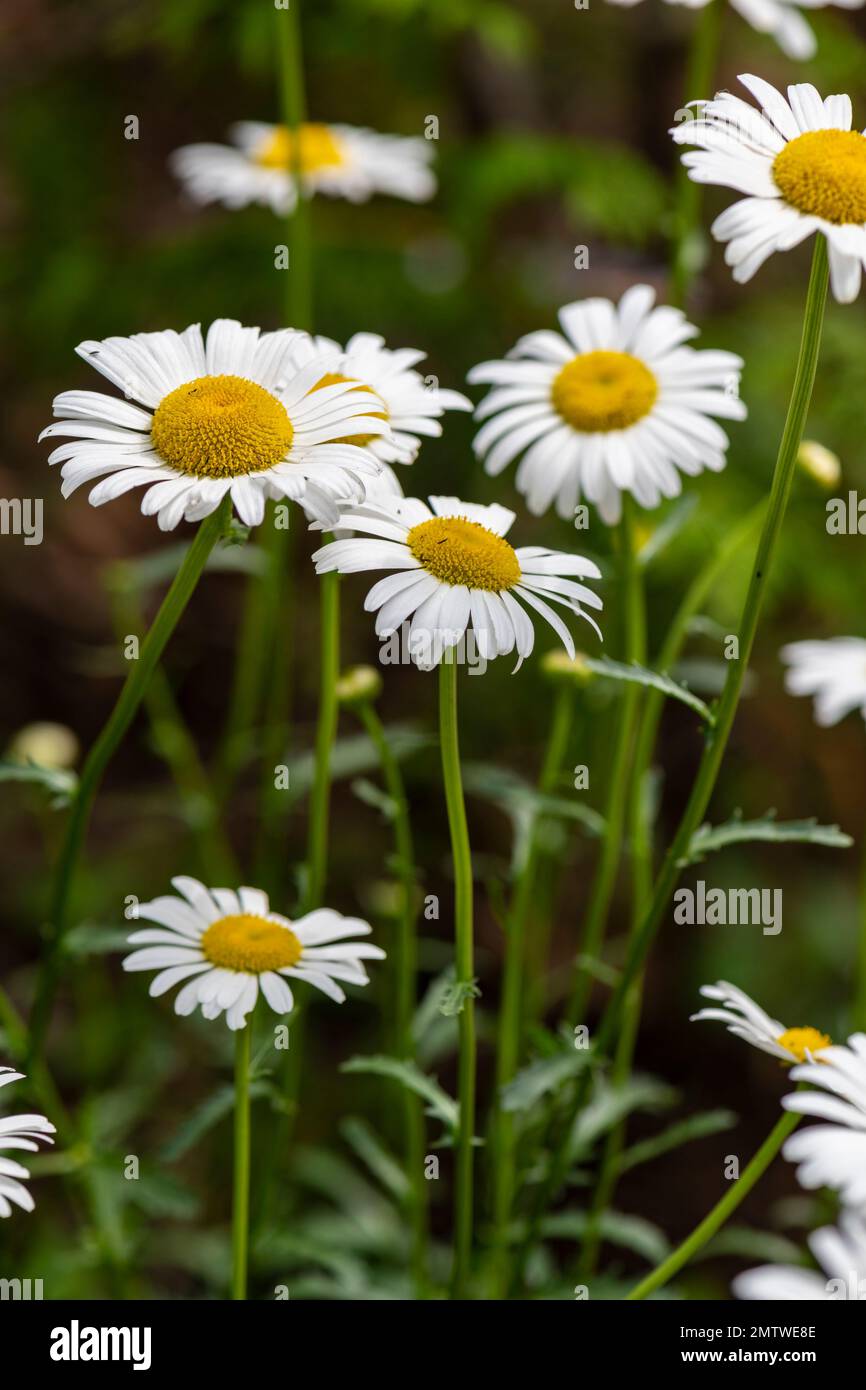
x=252 y=944
x=799 y=1041
x=335 y=379
x=318 y=148
x=602 y=391
x=221 y=427
x=458 y=551
x=823 y=173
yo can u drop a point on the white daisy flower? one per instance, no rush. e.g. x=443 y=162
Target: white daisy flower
x=410 y=406
x=833 y=671
x=801 y=166
x=779 y=18
x=841 y=1253
x=618 y=404
x=456 y=570
x=746 y=1020
x=341 y=160
x=833 y=1155
x=229 y=415
x=227 y=946
x=18 y=1132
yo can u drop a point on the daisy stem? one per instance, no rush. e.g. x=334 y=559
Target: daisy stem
x=702 y=60
x=464 y=970
x=326 y=729
x=241 y=1189
x=129 y=700
x=720 y=1213
x=406 y=981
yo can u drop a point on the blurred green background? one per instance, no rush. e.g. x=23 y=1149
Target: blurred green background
x=552 y=134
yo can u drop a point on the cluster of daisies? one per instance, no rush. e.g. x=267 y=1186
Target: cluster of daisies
x=831 y=1155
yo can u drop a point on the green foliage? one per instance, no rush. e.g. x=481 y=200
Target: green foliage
x=707 y=838
x=406 y=1074
x=658 y=680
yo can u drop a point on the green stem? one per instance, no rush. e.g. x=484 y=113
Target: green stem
x=241 y=1188
x=405 y=984
x=503 y=1146
x=326 y=729
x=703 y=57
x=618 y=781
x=720 y=1212
x=465 y=972
x=131 y=696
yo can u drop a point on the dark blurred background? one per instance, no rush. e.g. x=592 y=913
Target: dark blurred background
x=552 y=134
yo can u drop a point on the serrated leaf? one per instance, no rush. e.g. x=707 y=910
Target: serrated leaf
x=610 y=1104
x=542 y=1077
x=365 y=1142
x=408 y=1075
x=631 y=1232
x=708 y=838
x=523 y=804
x=455 y=995
x=698 y=1126
x=60 y=784
x=658 y=680
x=749 y=1244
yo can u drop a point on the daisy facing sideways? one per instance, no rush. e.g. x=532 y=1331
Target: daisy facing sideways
x=801 y=167
x=833 y=671
x=780 y=18
x=227 y=946
x=746 y=1020
x=18 y=1132
x=454 y=570
x=226 y=414
x=841 y=1253
x=341 y=160
x=617 y=402
x=832 y=1155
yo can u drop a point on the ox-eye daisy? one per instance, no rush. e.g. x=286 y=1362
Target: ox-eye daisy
x=411 y=406
x=833 y=1155
x=841 y=1253
x=801 y=166
x=615 y=403
x=340 y=160
x=18 y=1132
x=229 y=945
x=833 y=671
x=746 y=1020
x=456 y=570
x=231 y=414
x=780 y=18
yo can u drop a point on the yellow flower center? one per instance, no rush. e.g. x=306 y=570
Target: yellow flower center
x=252 y=944
x=335 y=379
x=221 y=427
x=823 y=173
x=799 y=1041
x=317 y=149
x=601 y=391
x=458 y=551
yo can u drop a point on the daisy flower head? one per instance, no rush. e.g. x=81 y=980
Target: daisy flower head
x=227 y=946
x=617 y=402
x=455 y=571
x=779 y=18
x=841 y=1253
x=340 y=160
x=745 y=1019
x=18 y=1132
x=801 y=167
x=833 y=671
x=205 y=417
x=832 y=1155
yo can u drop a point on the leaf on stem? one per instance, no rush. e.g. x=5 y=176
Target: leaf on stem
x=406 y=1074
x=708 y=838
x=659 y=680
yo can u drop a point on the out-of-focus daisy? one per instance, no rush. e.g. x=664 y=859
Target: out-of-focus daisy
x=801 y=166
x=618 y=404
x=18 y=1132
x=229 y=945
x=833 y=671
x=745 y=1019
x=841 y=1253
x=411 y=407
x=832 y=1155
x=455 y=570
x=341 y=160
x=779 y=18
x=229 y=414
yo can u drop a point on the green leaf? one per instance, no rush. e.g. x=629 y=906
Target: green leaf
x=160 y=566
x=353 y=756
x=408 y=1075
x=523 y=805
x=695 y=1127
x=60 y=784
x=203 y=1118
x=641 y=675
x=89 y=939
x=369 y=1147
x=708 y=838
x=610 y=1104
x=374 y=796
x=455 y=995
x=631 y=1232
x=546 y=1075
x=748 y=1244
x=667 y=529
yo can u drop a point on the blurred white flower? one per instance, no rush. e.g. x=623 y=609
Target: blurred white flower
x=18 y=1132
x=832 y=1155
x=779 y=18
x=747 y=1020
x=841 y=1253
x=833 y=671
